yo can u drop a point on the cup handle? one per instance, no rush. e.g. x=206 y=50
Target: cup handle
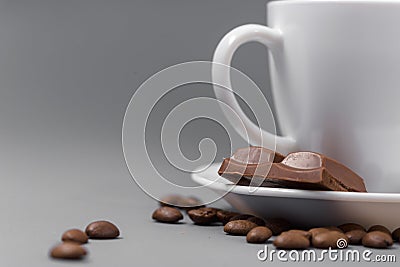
x=273 y=40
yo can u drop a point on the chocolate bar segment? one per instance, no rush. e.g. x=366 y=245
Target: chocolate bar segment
x=302 y=170
x=244 y=162
x=256 y=155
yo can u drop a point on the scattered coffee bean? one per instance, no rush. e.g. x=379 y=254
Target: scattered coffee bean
x=181 y=202
x=68 y=250
x=257 y=220
x=377 y=239
x=291 y=240
x=306 y=234
x=329 y=239
x=258 y=235
x=224 y=216
x=277 y=225
x=318 y=230
x=75 y=235
x=239 y=227
x=355 y=236
x=191 y=203
x=102 y=230
x=334 y=228
x=203 y=216
x=379 y=228
x=396 y=234
x=241 y=217
x=167 y=215
x=346 y=227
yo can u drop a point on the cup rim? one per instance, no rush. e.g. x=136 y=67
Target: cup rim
x=291 y=2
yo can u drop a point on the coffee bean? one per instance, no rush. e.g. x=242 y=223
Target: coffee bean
x=318 y=230
x=346 y=227
x=377 y=239
x=329 y=239
x=167 y=215
x=258 y=235
x=355 y=236
x=396 y=234
x=68 y=250
x=191 y=203
x=241 y=217
x=277 y=225
x=257 y=220
x=102 y=230
x=75 y=235
x=306 y=234
x=224 y=216
x=239 y=227
x=333 y=228
x=379 y=228
x=181 y=202
x=203 y=216
x=291 y=240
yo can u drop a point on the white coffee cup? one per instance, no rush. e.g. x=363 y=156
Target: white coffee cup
x=335 y=75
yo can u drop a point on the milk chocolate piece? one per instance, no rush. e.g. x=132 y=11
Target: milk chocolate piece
x=302 y=170
x=241 y=167
x=256 y=155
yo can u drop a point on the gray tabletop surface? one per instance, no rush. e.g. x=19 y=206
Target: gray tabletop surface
x=67 y=191
x=67 y=71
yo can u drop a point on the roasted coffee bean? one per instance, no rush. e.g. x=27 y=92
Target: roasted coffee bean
x=355 y=236
x=75 y=235
x=379 y=228
x=167 y=215
x=181 y=202
x=257 y=220
x=203 y=216
x=241 y=217
x=102 y=230
x=277 y=225
x=207 y=208
x=333 y=239
x=346 y=227
x=333 y=228
x=258 y=235
x=306 y=234
x=192 y=203
x=318 y=230
x=396 y=234
x=377 y=239
x=68 y=250
x=224 y=216
x=291 y=240
x=239 y=227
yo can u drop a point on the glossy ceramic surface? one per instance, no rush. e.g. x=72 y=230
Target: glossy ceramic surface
x=334 y=67
x=306 y=207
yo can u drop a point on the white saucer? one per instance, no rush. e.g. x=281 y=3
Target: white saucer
x=305 y=207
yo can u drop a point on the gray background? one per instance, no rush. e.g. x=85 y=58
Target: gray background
x=67 y=72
